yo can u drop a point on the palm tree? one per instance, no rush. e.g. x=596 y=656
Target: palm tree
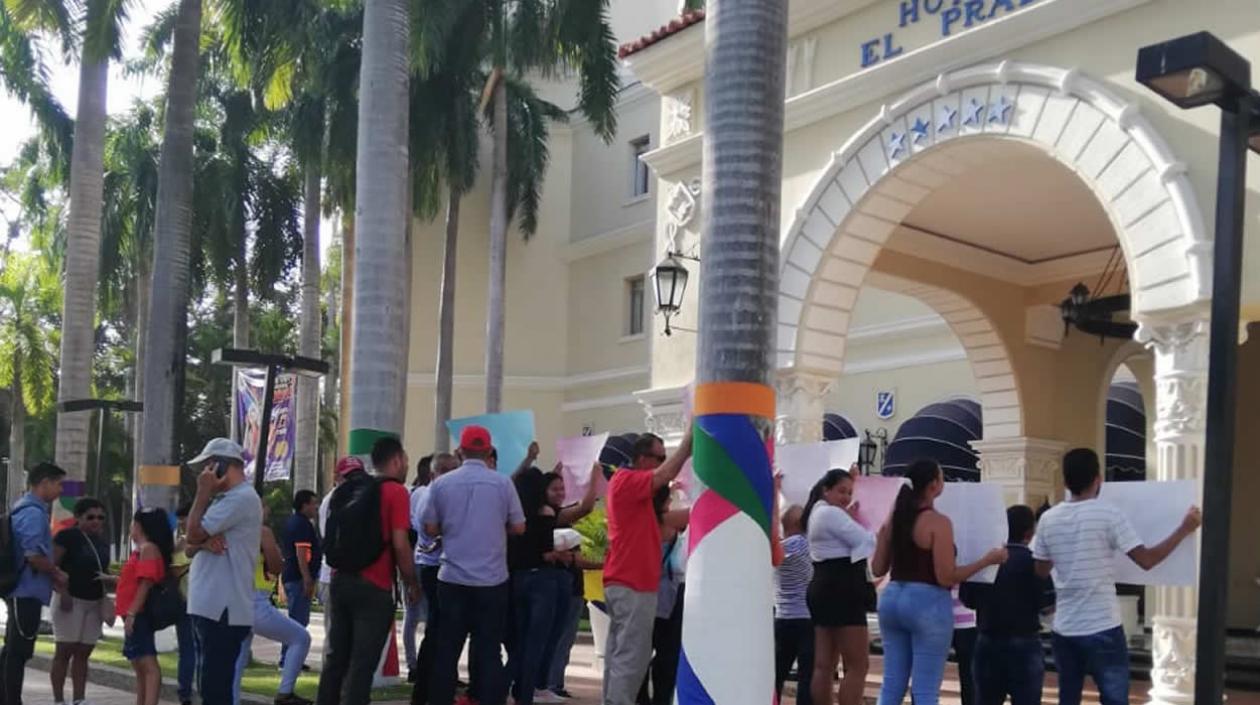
x=743 y=155
x=29 y=297
x=166 y=336
x=526 y=38
x=96 y=26
x=379 y=359
x=24 y=76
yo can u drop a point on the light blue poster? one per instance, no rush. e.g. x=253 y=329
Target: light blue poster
x=511 y=432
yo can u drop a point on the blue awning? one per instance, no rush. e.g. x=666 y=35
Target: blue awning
x=837 y=428
x=941 y=432
x=1126 y=432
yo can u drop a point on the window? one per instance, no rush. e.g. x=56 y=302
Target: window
x=640 y=177
x=634 y=294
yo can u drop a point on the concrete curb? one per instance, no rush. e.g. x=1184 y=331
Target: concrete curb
x=121 y=679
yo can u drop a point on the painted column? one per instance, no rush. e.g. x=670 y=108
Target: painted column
x=1027 y=468
x=800 y=406
x=1181 y=364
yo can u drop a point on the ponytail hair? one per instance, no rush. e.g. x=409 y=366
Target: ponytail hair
x=829 y=480
x=921 y=473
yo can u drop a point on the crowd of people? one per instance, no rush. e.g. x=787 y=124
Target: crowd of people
x=490 y=561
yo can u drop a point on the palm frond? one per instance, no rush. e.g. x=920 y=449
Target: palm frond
x=584 y=42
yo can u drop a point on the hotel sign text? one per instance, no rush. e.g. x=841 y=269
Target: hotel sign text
x=953 y=16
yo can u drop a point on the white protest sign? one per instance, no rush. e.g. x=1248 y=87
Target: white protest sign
x=978 y=513
x=1155 y=510
x=577 y=455
x=804 y=464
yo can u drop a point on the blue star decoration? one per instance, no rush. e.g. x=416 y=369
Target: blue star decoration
x=896 y=144
x=920 y=130
x=947 y=118
x=999 y=111
x=972 y=116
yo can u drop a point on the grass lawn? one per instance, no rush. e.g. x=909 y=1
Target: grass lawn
x=259 y=679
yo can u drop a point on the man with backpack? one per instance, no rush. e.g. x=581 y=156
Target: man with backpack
x=366 y=543
x=223 y=539
x=28 y=574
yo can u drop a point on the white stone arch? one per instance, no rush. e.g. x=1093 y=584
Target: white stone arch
x=990 y=362
x=871 y=185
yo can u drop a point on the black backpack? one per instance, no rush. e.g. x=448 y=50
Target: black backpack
x=10 y=553
x=165 y=605
x=353 y=538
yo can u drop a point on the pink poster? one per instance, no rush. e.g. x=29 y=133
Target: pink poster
x=875 y=496
x=577 y=455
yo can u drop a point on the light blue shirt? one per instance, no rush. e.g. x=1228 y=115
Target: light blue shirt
x=32 y=530
x=473 y=505
x=226 y=582
x=428 y=549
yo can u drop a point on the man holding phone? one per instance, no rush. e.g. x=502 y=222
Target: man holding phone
x=223 y=540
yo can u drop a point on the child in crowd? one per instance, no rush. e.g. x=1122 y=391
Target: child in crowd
x=1008 y=656
x=147 y=566
x=793 y=630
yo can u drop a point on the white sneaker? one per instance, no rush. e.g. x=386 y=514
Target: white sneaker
x=546 y=696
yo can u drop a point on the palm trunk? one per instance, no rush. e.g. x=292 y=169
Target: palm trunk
x=308 y=387
x=16 y=476
x=727 y=641
x=240 y=326
x=347 y=329
x=83 y=252
x=495 y=303
x=446 y=329
x=328 y=455
x=168 y=324
x=141 y=333
x=378 y=375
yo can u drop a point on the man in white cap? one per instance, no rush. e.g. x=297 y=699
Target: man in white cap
x=223 y=539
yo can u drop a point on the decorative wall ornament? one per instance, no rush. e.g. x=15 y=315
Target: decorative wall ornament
x=1173 y=660
x=1181 y=359
x=1027 y=468
x=678 y=112
x=681 y=207
x=800 y=406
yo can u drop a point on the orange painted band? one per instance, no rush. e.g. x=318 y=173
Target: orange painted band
x=159 y=475
x=734 y=398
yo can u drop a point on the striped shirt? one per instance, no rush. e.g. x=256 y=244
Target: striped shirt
x=1082 y=540
x=791 y=579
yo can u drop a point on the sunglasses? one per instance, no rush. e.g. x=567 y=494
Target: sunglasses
x=94 y=517
x=659 y=458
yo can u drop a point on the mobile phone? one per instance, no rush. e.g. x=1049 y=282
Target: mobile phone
x=220 y=469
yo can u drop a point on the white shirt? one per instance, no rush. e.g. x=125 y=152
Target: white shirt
x=325 y=570
x=834 y=534
x=1082 y=539
x=219 y=582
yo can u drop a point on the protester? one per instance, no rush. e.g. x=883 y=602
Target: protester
x=541 y=581
x=1008 y=658
x=271 y=623
x=303 y=556
x=839 y=595
x=187 y=668
x=571 y=617
x=472 y=509
x=632 y=568
x=419 y=610
x=223 y=540
x=147 y=566
x=344 y=467
x=79 y=613
x=658 y=684
x=367 y=545
x=916 y=616
x=428 y=559
x=32 y=543
x=1078 y=540
x=793 y=628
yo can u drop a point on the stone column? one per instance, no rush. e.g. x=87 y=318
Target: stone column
x=1181 y=364
x=800 y=406
x=664 y=413
x=1027 y=468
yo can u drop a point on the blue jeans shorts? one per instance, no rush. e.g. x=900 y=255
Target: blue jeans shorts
x=141 y=642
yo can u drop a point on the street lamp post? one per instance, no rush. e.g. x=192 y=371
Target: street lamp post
x=274 y=364
x=1192 y=71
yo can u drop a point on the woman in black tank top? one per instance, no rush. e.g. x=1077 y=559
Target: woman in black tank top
x=916 y=614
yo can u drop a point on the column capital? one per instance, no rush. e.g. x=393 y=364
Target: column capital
x=663 y=413
x=800 y=405
x=1181 y=362
x=1027 y=468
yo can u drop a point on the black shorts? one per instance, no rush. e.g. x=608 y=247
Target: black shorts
x=839 y=594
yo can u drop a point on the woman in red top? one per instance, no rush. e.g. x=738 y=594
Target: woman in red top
x=154 y=542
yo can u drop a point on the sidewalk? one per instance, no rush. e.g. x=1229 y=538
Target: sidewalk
x=36 y=689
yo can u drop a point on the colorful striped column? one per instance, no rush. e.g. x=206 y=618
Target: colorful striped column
x=728 y=627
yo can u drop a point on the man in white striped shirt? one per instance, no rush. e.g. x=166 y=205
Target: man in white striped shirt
x=1076 y=543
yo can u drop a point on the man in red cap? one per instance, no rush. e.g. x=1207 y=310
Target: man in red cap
x=473 y=509
x=345 y=466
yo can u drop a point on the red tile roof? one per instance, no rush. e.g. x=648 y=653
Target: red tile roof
x=675 y=26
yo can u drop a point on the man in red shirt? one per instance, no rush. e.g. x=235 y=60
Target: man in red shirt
x=632 y=568
x=362 y=602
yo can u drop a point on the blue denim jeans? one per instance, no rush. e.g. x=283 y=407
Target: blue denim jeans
x=534 y=601
x=299 y=609
x=916 y=623
x=414 y=613
x=1103 y=656
x=478 y=614
x=187 y=657
x=563 y=596
x=1014 y=666
x=560 y=661
x=218 y=646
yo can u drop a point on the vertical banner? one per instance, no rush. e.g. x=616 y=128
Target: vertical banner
x=250 y=387
x=729 y=578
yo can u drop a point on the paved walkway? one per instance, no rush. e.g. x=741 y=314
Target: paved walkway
x=36 y=690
